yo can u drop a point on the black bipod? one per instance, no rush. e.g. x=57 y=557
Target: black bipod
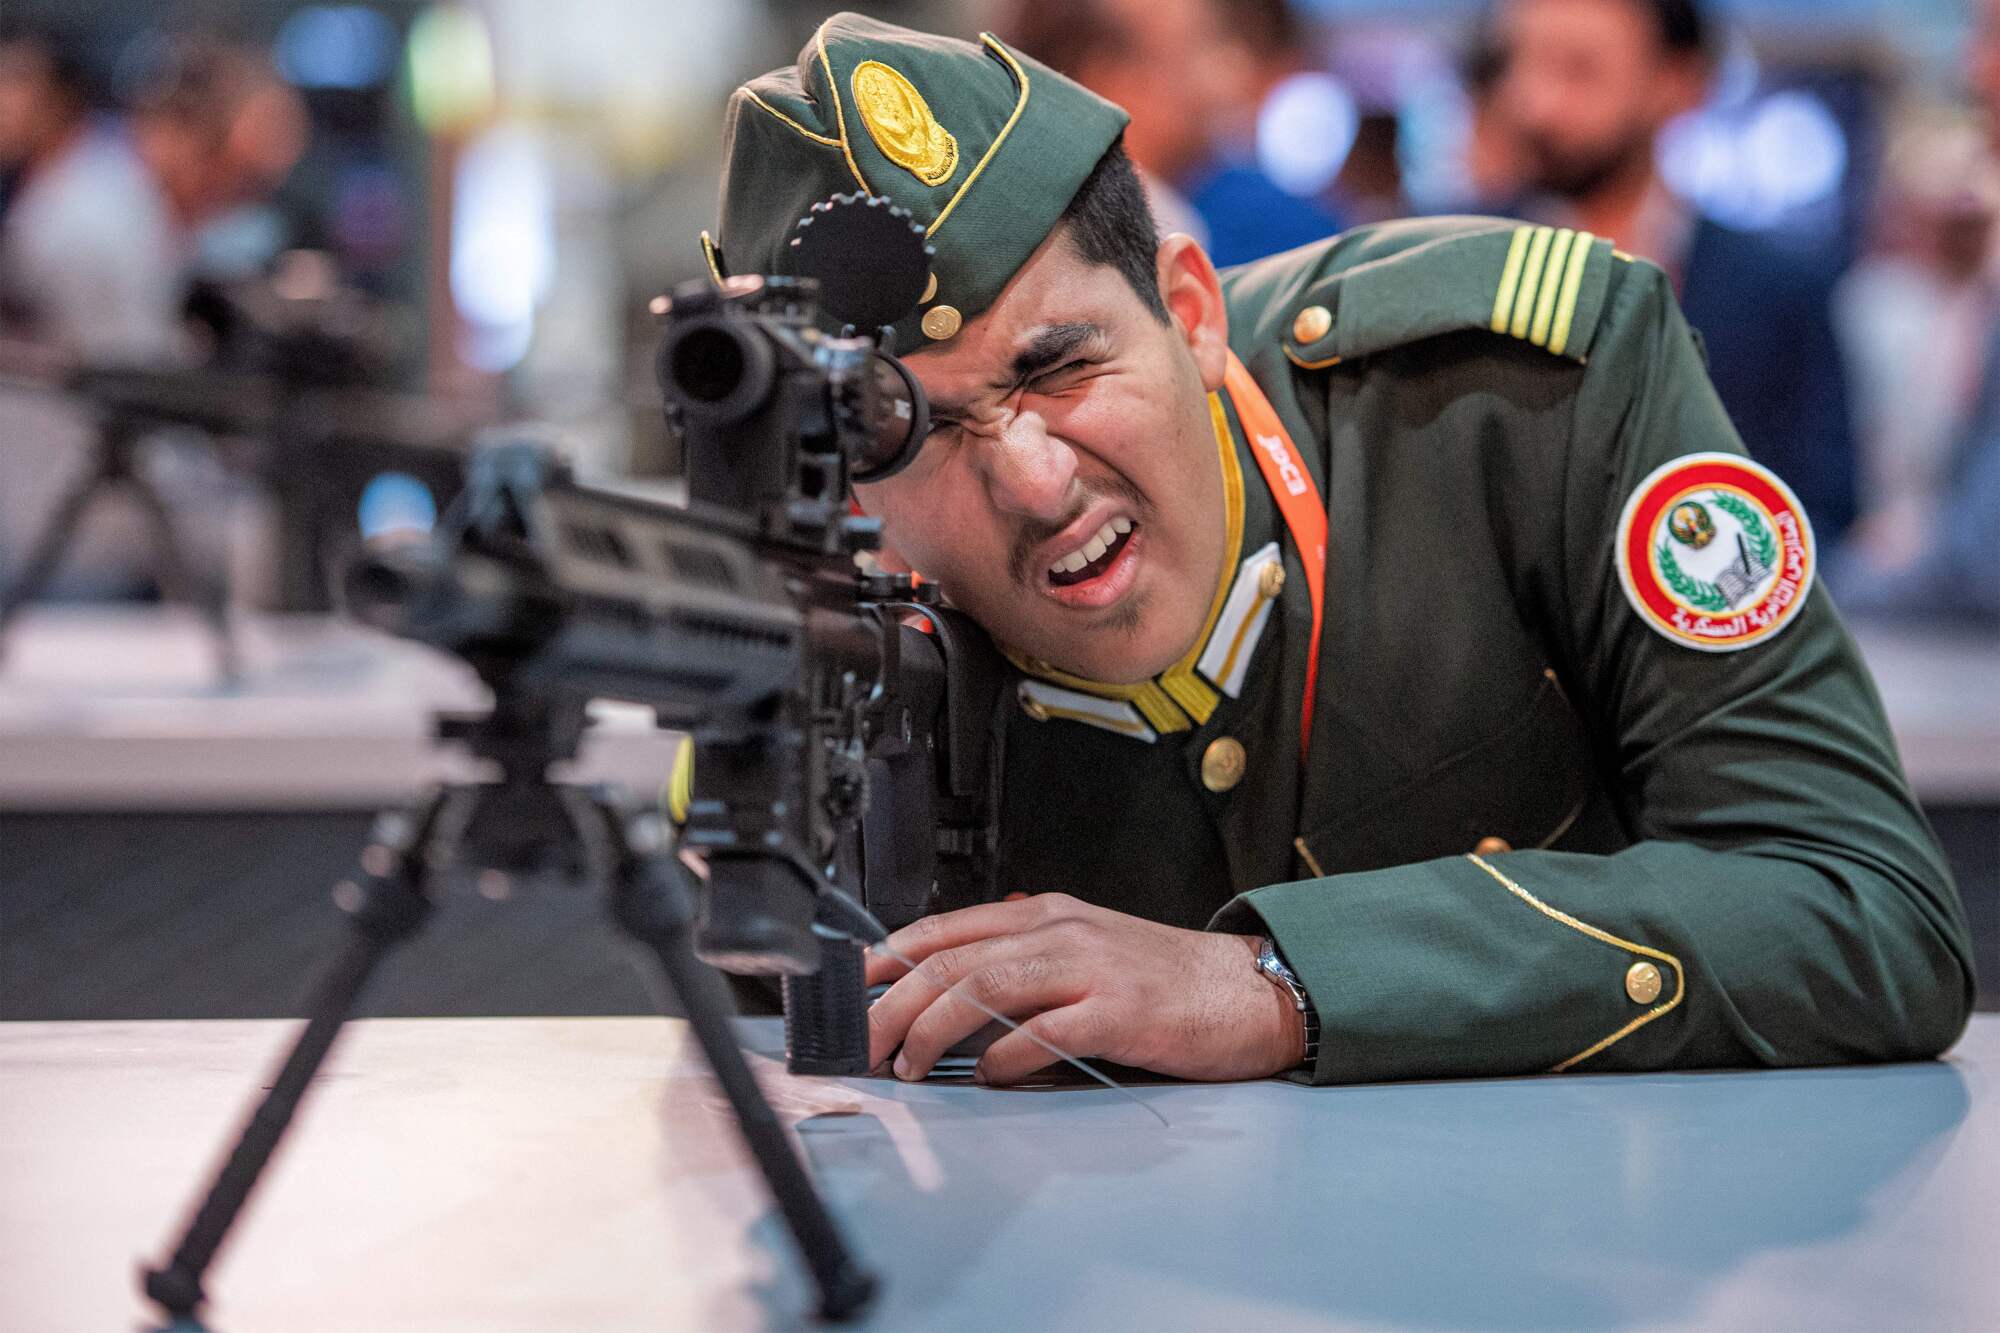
x=653 y=899
x=114 y=465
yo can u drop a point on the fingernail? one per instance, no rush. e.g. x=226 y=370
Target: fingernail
x=978 y=1075
x=902 y=1067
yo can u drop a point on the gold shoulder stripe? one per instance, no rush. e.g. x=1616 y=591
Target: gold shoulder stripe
x=1545 y=306
x=839 y=115
x=816 y=138
x=1510 y=279
x=1579 y=255
x=1020 y=105
x=1602 y=937
x=1531 y=281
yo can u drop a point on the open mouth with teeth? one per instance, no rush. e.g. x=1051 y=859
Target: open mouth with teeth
x=1095 y=557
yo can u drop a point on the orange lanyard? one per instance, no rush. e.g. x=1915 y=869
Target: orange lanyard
x=1298 y=500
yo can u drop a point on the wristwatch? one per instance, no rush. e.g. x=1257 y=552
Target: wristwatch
x=1280 y=973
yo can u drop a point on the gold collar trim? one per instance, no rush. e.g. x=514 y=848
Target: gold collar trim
x=1178 y=699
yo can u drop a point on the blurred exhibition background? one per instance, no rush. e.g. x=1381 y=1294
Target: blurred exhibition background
x=281 y=263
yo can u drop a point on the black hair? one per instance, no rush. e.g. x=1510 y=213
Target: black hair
x=65 y=58
x=1110 y=223
x=1683 y=25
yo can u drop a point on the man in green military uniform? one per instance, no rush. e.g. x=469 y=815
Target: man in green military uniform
x=1417 y=679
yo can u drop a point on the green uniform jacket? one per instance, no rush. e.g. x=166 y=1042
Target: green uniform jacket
x=1718 y=858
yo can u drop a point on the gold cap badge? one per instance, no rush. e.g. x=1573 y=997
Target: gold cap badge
x=901 y=124
x=941 y=322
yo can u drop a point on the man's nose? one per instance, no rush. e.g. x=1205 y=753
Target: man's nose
x=1028 y=471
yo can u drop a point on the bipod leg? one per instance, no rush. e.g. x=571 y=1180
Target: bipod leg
x=40 y=562
x=180 y=581
x=387 y=902
x=653 y=900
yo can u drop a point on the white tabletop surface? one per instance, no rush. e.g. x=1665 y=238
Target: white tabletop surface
x=110 y=708
x=116 y=708
x=581 y=1174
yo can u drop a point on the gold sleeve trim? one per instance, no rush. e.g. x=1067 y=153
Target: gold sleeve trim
x=816 y=138
x=839 y=115
x=1602 y=937
x=1021 y=78
x=708 y=253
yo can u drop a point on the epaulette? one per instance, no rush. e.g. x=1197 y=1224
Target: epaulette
x=1543 y=285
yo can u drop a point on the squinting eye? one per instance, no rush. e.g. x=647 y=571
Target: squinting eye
x=1050 y=377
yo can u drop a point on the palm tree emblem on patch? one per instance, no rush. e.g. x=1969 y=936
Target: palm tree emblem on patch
x=1715 y=552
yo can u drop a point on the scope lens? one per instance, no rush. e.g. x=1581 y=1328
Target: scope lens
x=896 y=418
x=708 y=364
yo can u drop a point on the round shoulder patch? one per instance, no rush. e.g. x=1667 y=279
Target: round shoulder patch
x=1715 y=552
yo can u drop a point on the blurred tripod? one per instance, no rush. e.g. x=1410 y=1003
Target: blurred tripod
x=116 y=465
x=520 y=823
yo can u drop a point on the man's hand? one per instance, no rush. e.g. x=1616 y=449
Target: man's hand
x=1086 y=979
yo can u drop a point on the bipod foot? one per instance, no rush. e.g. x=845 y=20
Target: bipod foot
x=653 y=900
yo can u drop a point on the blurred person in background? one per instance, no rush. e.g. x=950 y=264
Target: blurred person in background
x=1915 y=319
x=1193 y=74
x=98 y=253
x=1587 y=86
x=1947 y=564
x=88 y=266
x=1495 y=160
x=220 y=132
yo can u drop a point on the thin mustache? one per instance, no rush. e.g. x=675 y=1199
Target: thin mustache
x=1025 y=541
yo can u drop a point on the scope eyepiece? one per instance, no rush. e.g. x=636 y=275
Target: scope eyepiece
x=895 y=419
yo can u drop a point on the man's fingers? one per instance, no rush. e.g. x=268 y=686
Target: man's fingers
x=949 y=930
x=1080 y=1030
x=891 y=1017
x=1019 y=980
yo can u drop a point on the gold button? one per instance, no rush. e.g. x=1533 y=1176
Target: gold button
x=1312 y=324
x=1271 y=580
x=1491 y=846
x=930 y=291
x=1222 y=764
x=1032 y=706
x=1642 y=983
x=942 y=321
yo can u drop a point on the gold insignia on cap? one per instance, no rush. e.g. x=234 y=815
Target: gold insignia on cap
x=901 y=124
x=941 y=322
x=1313 y=323
x=930 y=291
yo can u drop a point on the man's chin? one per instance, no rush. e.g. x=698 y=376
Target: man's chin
x=1117 y=650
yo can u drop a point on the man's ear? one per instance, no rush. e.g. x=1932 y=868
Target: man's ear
x=1194 y=299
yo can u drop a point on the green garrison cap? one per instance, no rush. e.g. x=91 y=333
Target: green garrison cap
x=984 y=147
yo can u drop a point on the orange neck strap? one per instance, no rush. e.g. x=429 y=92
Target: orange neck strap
x=1298 y=500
